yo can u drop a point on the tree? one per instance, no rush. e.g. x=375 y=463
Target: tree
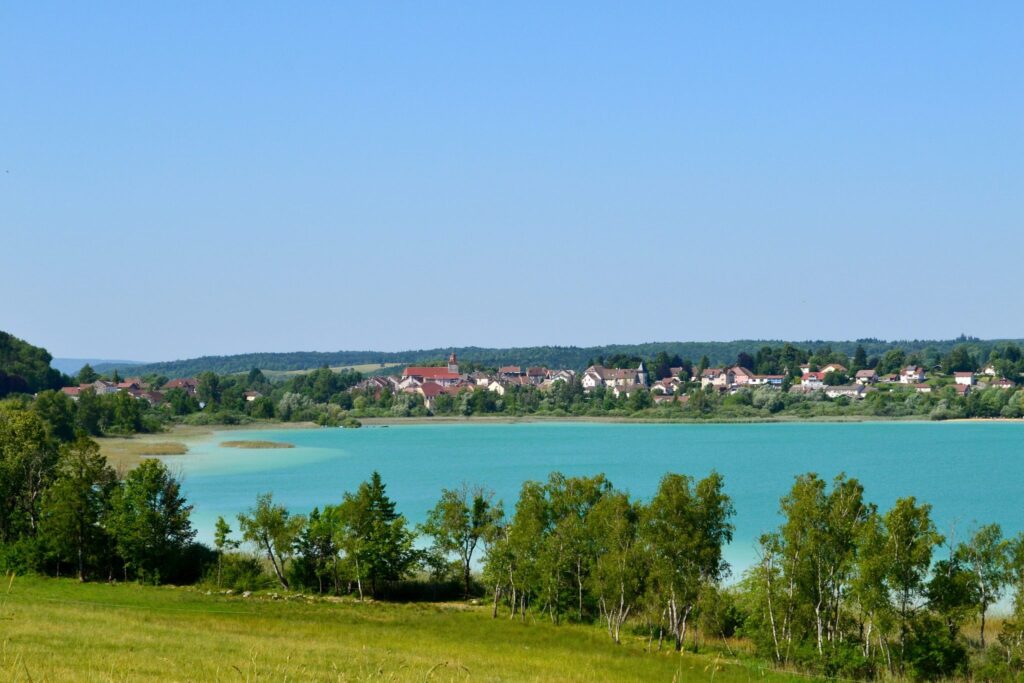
x=208 y=389
x=316 y=550
x=273 y=530
x=127 y=413
x=76 y=505
x=459 y=521
x=860 y=359
x=819 y=539
x=619 y=570
x=986 y=556
x=910 y=537
x=58 y=411
x=89 y=413
x=149 y=520
x=28 y=457
x=222 y=541
x=86 y=375
x=377 y=538
x=684 y=529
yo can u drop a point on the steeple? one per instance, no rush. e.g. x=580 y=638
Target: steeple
x=453 y=363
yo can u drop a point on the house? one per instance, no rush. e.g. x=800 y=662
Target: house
x=598 y=375
x=855 y=391
x=563 y=376
x=716 y=377
x=866 y=377
x=627 y=390
x=990 y=370
x=250 y=396
x=1002 y=383
x=768 y=380
x=962 y=389
x=429 y=391
x=964 y=378
x=536 y=375
x=891 y=378
x=912 y=374
x=662 y=398
x=666 y=387
x=71 y=392
x=497 y=387
x=101 y=387
x=926 y=388
x=186 y=384
x=741 y=376
x=814 y=380
x=154 y=398
x=834 y=367
x=509 y=371
x=442 y=375
x=480 y=378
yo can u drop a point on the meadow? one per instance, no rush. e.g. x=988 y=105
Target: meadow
x=63 y=630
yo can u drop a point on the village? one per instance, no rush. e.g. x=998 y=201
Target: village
x=430 y=382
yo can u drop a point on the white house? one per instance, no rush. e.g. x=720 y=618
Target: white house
x=964 y=378
x=912 y=374
x=866 y=377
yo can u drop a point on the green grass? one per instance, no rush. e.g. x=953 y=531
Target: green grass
x=61 y=630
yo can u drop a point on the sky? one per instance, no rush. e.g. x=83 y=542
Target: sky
x=215 y=178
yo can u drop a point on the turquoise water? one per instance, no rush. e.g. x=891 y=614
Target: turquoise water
x=969 y=472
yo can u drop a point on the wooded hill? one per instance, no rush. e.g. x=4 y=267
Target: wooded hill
x=25 y=368
x=574 y=357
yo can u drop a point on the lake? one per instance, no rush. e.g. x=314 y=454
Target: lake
x=970 y=472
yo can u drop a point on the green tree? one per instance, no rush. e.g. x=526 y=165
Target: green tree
x=149 y=520
x=89 y=413
x=910 y=538
x=86 y=375
x=986 y=556
x=860 y=359
x=75 y=507
x=619 y=572
x=273 y=530
x=684 y=529
x=378 y=537
x=58 y=411
x=460 y=521
x=222 y=541
x=208 y=389
x=28 y=458
x=127 y=413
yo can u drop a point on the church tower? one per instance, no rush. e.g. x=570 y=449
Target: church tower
x=453 y=364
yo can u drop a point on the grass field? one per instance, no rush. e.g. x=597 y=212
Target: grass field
x=61 y=630
x=366 y=369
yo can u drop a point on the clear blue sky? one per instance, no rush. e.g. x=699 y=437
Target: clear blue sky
x=215 y=178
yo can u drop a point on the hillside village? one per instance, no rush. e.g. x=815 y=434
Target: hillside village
x=431 y=382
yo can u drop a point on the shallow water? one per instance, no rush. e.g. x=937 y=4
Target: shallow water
x=970 y=472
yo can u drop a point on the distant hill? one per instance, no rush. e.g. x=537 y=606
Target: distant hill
x=719 y=353
x=25 y=368
x=71 y=366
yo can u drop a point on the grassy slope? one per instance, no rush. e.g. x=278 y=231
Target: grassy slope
x=60 y=630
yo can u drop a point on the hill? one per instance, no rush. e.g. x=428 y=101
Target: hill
x=71 y=366
x=25 y=368
x=575 y=357
x=61 y=630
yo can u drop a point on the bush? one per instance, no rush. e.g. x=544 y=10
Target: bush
x=239 y=572
x=932 y=652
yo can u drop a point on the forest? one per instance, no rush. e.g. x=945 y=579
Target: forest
x=571 y=357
